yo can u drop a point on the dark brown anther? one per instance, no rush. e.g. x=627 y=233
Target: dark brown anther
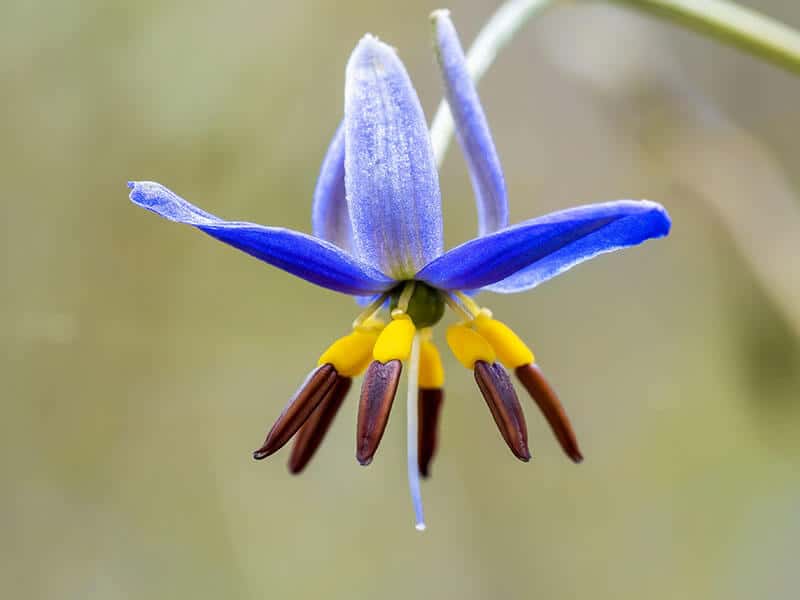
x=313 y=431
x=305 y=400
x=377 y=395
x=429 y=405
x=499 y=394
x=547 y=400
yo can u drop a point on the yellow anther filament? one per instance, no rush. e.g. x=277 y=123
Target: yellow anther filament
x=395 y=340
x=351 y=354
x=456 y=306
x=469 y=303
x=469 y=346
x=510 y=349
x=370 y=310
x=431 y=373
x=405 y=296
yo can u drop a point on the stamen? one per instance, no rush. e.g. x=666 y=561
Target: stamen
x=502 y=400
x=547 y=400
x=471 y=305
x=395 y=341
x=377 y=395
x=429 y=400
x=405 y=296
x=429 y=403
x=468 y=346
x=311 y=434
x=411 y=434
x=372 y=308
x=351 y=354
x=510 y=349
x=305 y=400
x=454 y=304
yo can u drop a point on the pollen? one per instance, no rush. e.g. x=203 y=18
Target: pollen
x=510 y=349
x=350 y=355
x=469 y=346
x=394 y=342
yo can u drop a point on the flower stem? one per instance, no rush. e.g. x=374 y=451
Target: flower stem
x=412 y=391
x=720 y=19
x=730 y=23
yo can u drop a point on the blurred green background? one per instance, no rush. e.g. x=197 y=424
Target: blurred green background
x=144 y=361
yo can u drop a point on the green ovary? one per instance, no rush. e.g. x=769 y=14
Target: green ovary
x=425 y=307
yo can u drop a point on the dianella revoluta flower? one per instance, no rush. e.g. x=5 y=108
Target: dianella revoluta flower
x=377 y=235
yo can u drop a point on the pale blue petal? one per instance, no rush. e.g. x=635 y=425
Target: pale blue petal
x=330 y=219
x=390 y=175
x=472 y=130
x=305 y=256
x=522 y=256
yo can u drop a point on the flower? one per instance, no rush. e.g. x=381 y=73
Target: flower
x=377 y=233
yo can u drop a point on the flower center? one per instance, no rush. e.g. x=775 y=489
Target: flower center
x=425 y=305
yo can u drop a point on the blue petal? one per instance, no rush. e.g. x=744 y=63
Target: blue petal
x=390 y=174
x=330 y=219
x=525 y=255
x=307 y=257
x=472 y=130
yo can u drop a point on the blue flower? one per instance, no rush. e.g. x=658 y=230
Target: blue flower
x=377 y=235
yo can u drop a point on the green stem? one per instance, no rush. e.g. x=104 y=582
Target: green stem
x=720 y=19
x=730 y=23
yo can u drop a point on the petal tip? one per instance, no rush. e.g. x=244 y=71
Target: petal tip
x=439 y=13
x=370 y=45
x=662 y=223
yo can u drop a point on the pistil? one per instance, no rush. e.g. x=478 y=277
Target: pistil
x=412 y=429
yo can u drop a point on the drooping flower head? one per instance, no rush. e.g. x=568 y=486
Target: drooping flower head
x=377 y=235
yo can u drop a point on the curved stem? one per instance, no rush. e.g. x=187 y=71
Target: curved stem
x=728 y=22
x=720 y=19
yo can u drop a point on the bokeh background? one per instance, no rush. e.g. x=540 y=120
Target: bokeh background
x=144 y=361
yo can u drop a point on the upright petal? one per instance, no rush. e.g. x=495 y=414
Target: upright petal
x=305 y=256
x=472 y=130
x=525 y=255
x=390 y=175
x=330 y=219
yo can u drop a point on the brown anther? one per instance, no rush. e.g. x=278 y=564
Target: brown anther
x=312 y=433
x=318 y=383
x=377 y=395
x=501 y=398
x=429 y=404
x=532 y=378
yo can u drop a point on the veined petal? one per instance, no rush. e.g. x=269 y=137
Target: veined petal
x=525 y=255
x=305 y=256
x=472 y=130
x=390 y=175
x=330 y=219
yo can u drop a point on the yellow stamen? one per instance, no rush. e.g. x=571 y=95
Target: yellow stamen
x=469 y=346
x=351 y=354
x=395 y=340
x=405 y=296
x=431 y=372
x=456 y=306
x=370 y=310
x=510 y=349
x=469 y=303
